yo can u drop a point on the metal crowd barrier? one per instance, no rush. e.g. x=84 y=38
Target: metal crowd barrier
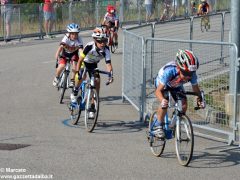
x=27 y=19
x=143 y=56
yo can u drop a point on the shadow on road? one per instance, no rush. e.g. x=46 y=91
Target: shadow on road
x=215 y=160
x=119 y=126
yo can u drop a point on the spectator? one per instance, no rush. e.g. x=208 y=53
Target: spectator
x=6 y=13
x=49 y=16
x=149 y=9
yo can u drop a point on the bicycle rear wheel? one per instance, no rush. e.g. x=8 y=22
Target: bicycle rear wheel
x=92 y=101
x=184 y=140
x=157 y=145
x=64 y=86
x=113 y=45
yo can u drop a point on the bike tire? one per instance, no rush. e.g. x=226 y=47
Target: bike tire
x=202 y=24
x=64 y=87
x=76 y=112
x=157 y=145
x=91 y=123
x=113 y=46
x=184 y=140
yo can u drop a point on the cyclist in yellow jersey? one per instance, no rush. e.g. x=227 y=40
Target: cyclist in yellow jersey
x=91 y=55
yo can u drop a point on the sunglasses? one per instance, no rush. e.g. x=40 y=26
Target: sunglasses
x=188 y=73
x=102 y=41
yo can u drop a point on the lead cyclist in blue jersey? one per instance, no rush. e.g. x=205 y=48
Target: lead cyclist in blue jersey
x=171 y=77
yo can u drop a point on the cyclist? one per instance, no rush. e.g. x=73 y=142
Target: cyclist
x=172 y=76
x=203 y=9
x=111 y=21
x=69 y=47
x=91 y=55
x=193 y=7
x=166 y=12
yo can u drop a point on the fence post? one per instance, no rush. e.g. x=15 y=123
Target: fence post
x=142 y=108
x=139 y=12
x=222 y=36
x=121 y=13
x=40 y=18
x=152 y=50
x=19 y=23
x=70 y=11
x=191 y=31
x=97 y=11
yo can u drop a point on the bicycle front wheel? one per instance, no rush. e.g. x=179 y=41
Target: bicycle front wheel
x=76 y=111
x=157 y=145
x=184 y=140
x=202 y=24
x=92 y=109
x=63 y=86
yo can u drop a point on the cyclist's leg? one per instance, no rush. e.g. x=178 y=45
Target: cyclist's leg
x=61 y=65
x=116 y=33
x=182 y=97
x=60 y=68
x=74 y=61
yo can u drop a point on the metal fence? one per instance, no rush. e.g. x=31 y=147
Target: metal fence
x=144 y=56
x=27 y=19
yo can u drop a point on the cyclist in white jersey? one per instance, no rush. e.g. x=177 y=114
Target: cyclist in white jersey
x=111 y=21
x=172 y=76
x=69 y=47
x=91 y=55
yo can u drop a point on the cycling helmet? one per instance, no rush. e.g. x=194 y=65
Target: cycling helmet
x=73 y=28
x=111 y=9
x=99 y=33
x=187 y=61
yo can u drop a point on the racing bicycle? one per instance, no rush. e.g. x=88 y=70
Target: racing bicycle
x=64 y=79
x=112 y=37
x=179 y=127
x=88 y=101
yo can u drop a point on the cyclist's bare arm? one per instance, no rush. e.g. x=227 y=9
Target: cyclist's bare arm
x=60 y=48
x=109 y=67
x=159 y=92
x=80 y=61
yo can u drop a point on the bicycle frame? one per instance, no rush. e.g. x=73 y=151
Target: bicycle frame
x=67 y=70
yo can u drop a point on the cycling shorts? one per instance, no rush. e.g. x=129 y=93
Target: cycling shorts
x=89 y=67
x=74 y=57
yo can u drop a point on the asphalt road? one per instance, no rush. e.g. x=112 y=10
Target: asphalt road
x=36 y=136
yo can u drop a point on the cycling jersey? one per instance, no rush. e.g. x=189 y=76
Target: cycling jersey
x=110 y=18
x=203 y=7
x=169 y=76
x=92 y=54
x=71 y=46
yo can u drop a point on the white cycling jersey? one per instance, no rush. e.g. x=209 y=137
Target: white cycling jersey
x=71 y=46
x=92 y=54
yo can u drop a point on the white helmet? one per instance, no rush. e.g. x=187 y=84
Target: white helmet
x=99 y=33
x=73 y=28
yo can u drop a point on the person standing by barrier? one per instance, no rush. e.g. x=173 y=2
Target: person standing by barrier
x=6 y=13
x=149 y=9
x=49 y=16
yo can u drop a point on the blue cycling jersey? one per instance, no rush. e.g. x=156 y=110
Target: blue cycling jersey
x=169 y=76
